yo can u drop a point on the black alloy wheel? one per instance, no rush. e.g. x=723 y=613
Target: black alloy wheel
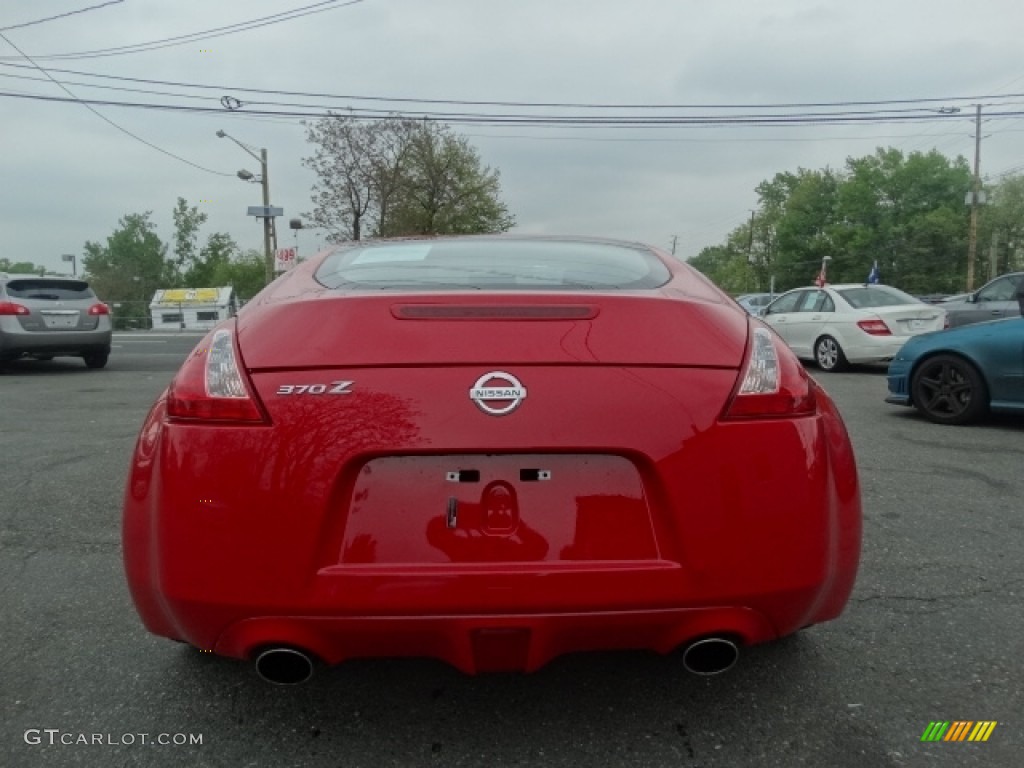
x=948 y=389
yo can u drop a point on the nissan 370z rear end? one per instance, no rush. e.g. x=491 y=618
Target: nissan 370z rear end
x=490 y=451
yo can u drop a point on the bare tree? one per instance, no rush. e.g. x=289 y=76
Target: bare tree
x=395 y=177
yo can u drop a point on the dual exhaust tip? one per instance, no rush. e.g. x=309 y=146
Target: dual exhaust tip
x=710 y=656
x=291 y=666
x=284 y=666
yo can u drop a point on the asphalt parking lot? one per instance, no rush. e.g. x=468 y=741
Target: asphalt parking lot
x=935 y=631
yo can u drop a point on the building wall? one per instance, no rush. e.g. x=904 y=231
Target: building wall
x=196 y=318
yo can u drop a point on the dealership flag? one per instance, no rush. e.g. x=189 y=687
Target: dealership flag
x=874 y=275
x=820 y=279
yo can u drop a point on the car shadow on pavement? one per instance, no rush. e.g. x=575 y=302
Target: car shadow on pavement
x=27 y=367
x=604 y=708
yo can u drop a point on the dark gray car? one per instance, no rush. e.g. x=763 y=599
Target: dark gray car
x=46 y=317
x=993 y=301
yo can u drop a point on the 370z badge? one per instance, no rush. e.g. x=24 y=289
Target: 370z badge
x=334 y=388
x=497 y=393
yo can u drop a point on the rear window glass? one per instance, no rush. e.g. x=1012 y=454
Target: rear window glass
x=870 y=296
x=53 y=290
x=481 y=264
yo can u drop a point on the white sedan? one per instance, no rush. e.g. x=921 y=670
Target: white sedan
x=856 y=323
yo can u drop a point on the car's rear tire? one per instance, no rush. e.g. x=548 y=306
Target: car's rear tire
x=96 y=359
x=829 y=355
x=948 y=389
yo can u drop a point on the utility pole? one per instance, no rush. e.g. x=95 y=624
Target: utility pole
x=972 y=237
x=750 y=240
x=993 y=257
x=674 y=238
x=268 y=221
x=266 y=213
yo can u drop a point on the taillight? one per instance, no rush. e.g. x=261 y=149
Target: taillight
x=211 y=385
x=99 y=309
x=10 y=308
x=874 y=327
x=773 y=383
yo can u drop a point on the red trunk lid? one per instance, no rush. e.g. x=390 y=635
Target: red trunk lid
x=329 y=329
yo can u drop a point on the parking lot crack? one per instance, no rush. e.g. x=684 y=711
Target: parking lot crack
x=930 y=599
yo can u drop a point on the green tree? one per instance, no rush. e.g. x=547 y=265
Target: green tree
x=906 y=212
x=245 y=272
x=1002 y=227
x=804 y=205
x=446 y=189
x=400 y=177
x=21 y=267
x=206 y=268
x=187 y=222
x=131 y=266
x=728 y=266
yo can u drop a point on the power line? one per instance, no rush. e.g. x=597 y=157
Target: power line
x=60 y=16
x=541 y=104
x=305 y=105
x=602 y=139
x=631 y=121
x=120 y=88
x=191 y=37
x=104 y=118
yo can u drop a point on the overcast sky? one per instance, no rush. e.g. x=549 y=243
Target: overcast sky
x=66 y=176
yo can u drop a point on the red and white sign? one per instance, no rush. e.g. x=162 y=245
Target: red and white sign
x=285 y=259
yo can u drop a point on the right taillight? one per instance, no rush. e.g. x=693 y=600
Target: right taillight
x=772 y=383
x=10 y=308
x=212 y=385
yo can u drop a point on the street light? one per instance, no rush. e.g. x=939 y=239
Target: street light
x=268 y=222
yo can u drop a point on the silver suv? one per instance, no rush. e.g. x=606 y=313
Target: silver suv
x=993 y=301
x=46 y=317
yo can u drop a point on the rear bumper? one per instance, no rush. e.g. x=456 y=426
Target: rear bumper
x=874 y=349
x=15 y=340
x=755 y=546
x=491 y=643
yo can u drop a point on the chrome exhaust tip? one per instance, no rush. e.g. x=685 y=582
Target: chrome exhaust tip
x=284 y=666
x=710 y=656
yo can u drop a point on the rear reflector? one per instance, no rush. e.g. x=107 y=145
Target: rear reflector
x=773 y=383
x=494 y=311
x=874 y=327
x=211 y=385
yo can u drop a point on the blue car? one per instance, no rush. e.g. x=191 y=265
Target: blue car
x=957 y=375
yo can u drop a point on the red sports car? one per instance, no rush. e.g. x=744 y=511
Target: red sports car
x=492 y=451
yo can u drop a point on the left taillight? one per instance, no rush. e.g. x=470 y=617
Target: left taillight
x=212 y=384
x=99 y=309
x=772 y=383
x=10 y=308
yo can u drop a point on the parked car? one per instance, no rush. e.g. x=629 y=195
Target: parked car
x=956 y=376
x=755 y=302
x=492 y=451
x=994 y=300
x=47 y=317
x=856 y=323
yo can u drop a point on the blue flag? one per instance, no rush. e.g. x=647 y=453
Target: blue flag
x=874 y=275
